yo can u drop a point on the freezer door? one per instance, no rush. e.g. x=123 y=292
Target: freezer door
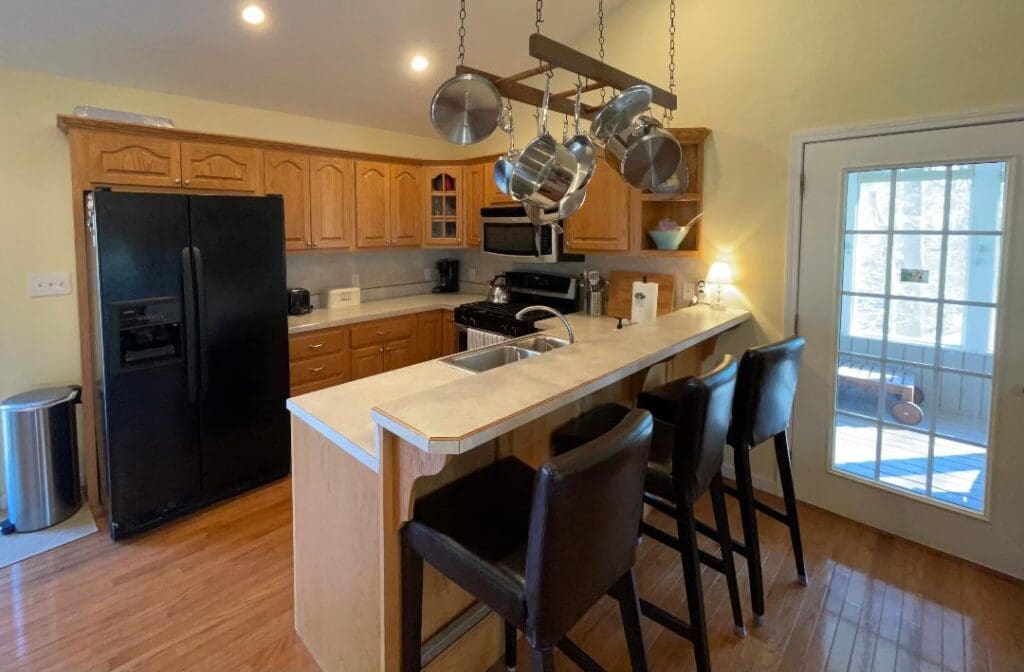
x=238 y=248
x=149 y=429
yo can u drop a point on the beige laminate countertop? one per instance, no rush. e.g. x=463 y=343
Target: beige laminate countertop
x=441 y=409
x=322 y=318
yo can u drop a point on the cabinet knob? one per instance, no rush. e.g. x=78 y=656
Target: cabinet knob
x=316 y=244
x=188 y=181
x=177 y=180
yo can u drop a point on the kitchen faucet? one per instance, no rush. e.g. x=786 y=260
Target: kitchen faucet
x=546 y=309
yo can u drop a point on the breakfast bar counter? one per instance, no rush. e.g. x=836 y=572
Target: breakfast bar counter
x=363 y=452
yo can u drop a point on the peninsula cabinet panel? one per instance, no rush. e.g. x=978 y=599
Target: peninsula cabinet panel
x=332 y=199
x=604 y=221
x=431 y=334
x=406 y=212
x=372 y=193
x=366 y=361
x=287 y=174
x=125 y=158
x=219 y=167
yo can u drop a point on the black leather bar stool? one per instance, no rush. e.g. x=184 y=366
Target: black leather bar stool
x=514 y=538
x=763 y=406
x=686 y=462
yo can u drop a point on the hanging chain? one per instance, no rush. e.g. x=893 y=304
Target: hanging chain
x=600 y=37
x=671 y=56
x=462 y=31
x=539 y=19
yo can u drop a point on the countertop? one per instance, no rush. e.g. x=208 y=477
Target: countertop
x=322 y=318
x=441 y=409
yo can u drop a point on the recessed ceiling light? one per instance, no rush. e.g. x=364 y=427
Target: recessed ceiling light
x=419 y=63
x=254 y=15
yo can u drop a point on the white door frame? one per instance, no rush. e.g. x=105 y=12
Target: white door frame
x=797 y=146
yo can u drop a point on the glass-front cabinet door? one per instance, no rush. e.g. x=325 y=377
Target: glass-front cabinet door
x=445 y=217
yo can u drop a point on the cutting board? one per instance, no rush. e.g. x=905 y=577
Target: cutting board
x=620 y=291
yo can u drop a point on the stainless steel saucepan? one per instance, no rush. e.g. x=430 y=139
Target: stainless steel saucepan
x=645 y=154
x=465 y=109
x=545 y=170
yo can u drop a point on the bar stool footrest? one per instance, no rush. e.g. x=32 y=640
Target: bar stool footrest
x=666 y=620
x=579 y=656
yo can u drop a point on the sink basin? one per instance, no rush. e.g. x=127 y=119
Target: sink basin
x=489 y=358
x=541 y=343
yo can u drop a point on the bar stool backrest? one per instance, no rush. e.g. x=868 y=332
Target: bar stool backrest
x=584 y=519
x=702 y=423
x=765 y=390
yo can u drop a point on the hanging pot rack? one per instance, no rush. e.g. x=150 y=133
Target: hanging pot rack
x=554 y=56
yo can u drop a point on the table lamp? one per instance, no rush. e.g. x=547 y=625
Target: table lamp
x=719 y=275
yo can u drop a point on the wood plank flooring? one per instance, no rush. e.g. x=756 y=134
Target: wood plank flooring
x=213 y=592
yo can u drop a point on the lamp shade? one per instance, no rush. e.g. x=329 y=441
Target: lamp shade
x=720 y=274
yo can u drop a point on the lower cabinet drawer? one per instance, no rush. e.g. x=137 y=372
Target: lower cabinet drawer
x=319 y=368
x=316 y=343
x=382 y=331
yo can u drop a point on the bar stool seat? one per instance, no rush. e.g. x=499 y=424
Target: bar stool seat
x=513 y=538
x=663 y=401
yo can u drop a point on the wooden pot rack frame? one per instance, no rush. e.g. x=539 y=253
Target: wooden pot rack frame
x=555 y=55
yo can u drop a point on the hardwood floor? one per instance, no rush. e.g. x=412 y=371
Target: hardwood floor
x=214 y=592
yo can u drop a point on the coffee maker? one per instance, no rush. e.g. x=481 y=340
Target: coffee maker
x=448 y=276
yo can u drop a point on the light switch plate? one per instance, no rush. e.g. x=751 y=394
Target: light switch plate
x=49 y=284
x=355 y=279
x=428 y=274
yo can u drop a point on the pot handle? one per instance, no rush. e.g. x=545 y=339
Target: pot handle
x=542 y=118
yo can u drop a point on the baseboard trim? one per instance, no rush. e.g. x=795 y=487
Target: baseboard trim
x=761 y=482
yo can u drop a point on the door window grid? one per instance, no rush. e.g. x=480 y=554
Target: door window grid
x=938 y=342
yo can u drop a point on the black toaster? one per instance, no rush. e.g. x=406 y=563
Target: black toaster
x=298 y=301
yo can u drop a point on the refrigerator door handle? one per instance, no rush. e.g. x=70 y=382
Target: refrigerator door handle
x=191 y=353
x=204 y=368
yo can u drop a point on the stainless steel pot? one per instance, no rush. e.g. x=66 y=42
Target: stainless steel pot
x=465 y=109
x=582 y=147
x=645 y=155
x=545 y=170
x=620 y=112
x=504 y=164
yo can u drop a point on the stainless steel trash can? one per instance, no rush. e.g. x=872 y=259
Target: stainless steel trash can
x=41 y=453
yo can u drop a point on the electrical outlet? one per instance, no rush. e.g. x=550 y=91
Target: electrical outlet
x=428 y=274
x=689 y=288
x=49 y=284
x=355 y=280
x=472 y=275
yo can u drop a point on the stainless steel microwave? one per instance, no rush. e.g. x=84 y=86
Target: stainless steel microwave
x=508 y=232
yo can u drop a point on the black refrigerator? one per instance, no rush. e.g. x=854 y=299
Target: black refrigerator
x=191 y=349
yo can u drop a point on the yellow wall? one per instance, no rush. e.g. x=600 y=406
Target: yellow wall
x=753 y=71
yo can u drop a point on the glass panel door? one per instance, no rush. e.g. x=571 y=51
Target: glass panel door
x=920 y=266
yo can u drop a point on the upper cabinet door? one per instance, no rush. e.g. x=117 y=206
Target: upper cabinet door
x=124 y=158
x=220 y=167
x=473 y=178
x=332 y=193
x=491 y=194
x=287 y=173
x=373 y=188
x=407 y=192
x=445 y=220
x=604 y=221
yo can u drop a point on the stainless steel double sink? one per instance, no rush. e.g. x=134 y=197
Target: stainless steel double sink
x=493 y=356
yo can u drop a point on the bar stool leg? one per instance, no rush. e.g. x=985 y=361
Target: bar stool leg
x=629 y=608
x=725 y=543
x=745 y=489
x=785 y=462
x=543 y=661
x=510 y=647
x=688 y=551
x=412 y=608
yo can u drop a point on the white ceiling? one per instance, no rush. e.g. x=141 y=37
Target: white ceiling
x=335 y=59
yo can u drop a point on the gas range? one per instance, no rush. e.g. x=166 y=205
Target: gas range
x=526 y=289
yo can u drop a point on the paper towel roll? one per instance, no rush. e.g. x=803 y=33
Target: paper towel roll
x=645 y=302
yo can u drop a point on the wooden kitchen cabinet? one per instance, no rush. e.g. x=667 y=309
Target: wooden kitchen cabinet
x=450 y=338
x=405 y=220
x=332 y=199
x=219 y=167
x=287 y=174
x=318 y=359
x=430 y=328
x=366 y=361
x=473 y=179
x=372 y=193
x=383 y=345
x=491 y=194
x=445 y=206
x=403 y=352
x=604 y=222
x=136 y=160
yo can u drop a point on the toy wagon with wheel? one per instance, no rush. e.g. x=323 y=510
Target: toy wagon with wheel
x=902 y=395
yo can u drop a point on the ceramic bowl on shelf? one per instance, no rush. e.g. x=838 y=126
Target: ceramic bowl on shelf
x=668 y=239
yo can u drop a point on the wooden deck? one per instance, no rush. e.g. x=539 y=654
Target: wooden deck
x=213 y=592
